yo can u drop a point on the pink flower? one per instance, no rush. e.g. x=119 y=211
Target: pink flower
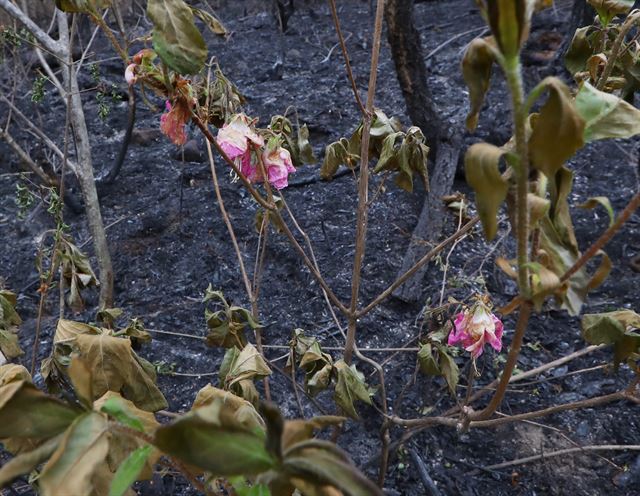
x=278 y=165
x=234 y=137
x=130 y=74
x=475 y=327
x=173 y=122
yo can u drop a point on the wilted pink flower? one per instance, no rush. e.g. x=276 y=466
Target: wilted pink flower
x=173 y=122
x=130 y=74
x=234 y=137
x=476 y=326
x=278 y=165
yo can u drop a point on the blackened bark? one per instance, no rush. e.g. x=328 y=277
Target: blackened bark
x=411 y=70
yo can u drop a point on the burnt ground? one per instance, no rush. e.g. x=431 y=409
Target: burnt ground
x=169 y=243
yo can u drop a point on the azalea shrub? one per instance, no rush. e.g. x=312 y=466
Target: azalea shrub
x=233 y=438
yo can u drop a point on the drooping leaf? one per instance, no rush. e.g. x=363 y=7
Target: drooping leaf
x=619 y=328
x=129 y=471
x=227 y=326
x=449 y=369
x=558 y=130
x=212 y=439
x=406 y=154
x=26 y=462
x=606 y=115
x=26 y=412
x=483 y=175
x=81 y=452
x=335 y=155
x=476 y=71
x=578 y=52
x=510 y=22
x=211 y=21
x=176 y=38
x=603 y=201
x=136 y=331
x=608 y=9
x=304 y=146
x=113 y=363
x=248 y=365
x=320 y=463
x=81 y=379
x=9 y=322
x=82 y=6
x=77 y=272
x=244 y=411
x=350 y=387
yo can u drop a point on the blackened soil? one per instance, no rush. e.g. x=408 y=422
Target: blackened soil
x=169 y=243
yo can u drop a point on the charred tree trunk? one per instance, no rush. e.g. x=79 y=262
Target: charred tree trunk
x=412 y=73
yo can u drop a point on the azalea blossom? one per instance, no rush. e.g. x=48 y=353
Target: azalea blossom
x=234 y=138
x=173 y=122
x=476 y=326
x=278 y=165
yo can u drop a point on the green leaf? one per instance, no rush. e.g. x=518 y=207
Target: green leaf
x=212 y=439
x=116 y=407
x=449 y=369
x=558 y=130
x=82 y=451
x=427 y=360
x=606 y=115
x=594 y=201
x=176 y=38
x=476 y=71
x=350 y=387
x=129 y=471
x=483 y=175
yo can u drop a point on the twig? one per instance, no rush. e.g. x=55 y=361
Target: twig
x=425 y=259
x=428 y=483
x=451 y=40
x=345 y=54
x=567 y=451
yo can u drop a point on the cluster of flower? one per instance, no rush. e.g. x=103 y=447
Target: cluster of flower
x=247 y=149
x=475 y=327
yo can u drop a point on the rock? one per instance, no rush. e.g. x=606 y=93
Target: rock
x=191 y=152
x=294 y=54
x=145 y=136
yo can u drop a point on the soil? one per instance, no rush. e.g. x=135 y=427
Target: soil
x=169 y=243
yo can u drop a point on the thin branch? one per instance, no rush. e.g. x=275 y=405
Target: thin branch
x=425 y=259
x=567 y=451
x=47 y=41
x=345 y=54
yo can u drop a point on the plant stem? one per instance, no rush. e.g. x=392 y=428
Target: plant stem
x=363 y=187
x=615 y=49
x=512 y=358
x=513 y=73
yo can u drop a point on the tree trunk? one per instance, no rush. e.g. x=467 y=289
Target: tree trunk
x=85 y=173
x=406 y=48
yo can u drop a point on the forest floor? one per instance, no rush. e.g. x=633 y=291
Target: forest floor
x=169 y=243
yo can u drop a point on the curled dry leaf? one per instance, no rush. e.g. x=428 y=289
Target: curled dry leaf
x=481 y=165
x=476 y=70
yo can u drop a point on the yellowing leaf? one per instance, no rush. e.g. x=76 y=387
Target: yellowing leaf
x=212 y=439
x=82 y=450
x=606 y=115
x=615 y=328
x=476 y=71
x=350 y=388
x=483 y=175
x=176 y=38
x=558 y=130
